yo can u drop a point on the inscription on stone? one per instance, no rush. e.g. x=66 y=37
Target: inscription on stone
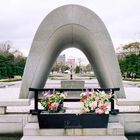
x=73 y=84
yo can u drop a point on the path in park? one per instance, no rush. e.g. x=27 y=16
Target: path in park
x=11 y=90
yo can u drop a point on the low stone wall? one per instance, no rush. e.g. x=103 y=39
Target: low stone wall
x=13 y=123
x=131 y=122
x=4 y=103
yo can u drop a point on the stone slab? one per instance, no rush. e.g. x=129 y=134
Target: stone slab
x=74 y=137
x=12 y=123
x=115 y=129
x=113 y=118
x=14 y=102
x=132 y=127
x=10 y=128
x=128 y=102
x=32 y=119
x=13 y=118
x=73 y=84
x=130 y=117
x=32 y=129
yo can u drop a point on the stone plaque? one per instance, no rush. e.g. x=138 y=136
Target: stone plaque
x=73 y=84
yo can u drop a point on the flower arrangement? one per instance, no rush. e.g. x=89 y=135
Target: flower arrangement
x=97 y=101
x=52 y=102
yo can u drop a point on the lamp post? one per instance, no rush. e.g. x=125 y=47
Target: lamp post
x=71 y=73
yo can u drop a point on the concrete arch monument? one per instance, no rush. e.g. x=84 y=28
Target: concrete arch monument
x=66 y=26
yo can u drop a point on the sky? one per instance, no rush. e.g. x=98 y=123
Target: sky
x=19 y=20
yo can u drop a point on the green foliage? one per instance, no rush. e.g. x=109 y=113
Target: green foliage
x=87 y=68
x=132 y=47
x=77 y=69
x=130 y=62
x=60 y=67
x=19 y=65
x=10 y=64
x=51 y=101
x=10 y=136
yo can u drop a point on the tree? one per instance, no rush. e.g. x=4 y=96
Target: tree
x=131 y=48
x=130 y=62
x=58 y=67
x=19 y=65
x=77 y=69
x=87 y=68
x=11 y=61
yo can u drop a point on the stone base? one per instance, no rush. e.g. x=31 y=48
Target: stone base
x=114 y=129
x=74 y=137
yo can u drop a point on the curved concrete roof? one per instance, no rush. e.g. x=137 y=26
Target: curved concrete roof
x=66 y=26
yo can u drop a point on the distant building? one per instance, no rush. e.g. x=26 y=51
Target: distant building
x=61 y=59
x=71 y=62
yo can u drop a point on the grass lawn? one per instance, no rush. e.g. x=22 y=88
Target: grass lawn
x=10 y=137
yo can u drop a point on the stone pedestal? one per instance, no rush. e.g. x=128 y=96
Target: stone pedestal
x=73 y=84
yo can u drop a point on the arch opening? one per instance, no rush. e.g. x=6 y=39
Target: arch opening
x=64 y=27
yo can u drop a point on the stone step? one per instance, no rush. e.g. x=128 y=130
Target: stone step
x=74 y=137
x=114 y=129
x=14 y=102
x=4 y=103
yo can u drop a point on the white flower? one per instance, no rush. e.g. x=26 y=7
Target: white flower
x=63 y=95
x=82 y=94
x=97 y=102
x=93 y=104
x=86 y=109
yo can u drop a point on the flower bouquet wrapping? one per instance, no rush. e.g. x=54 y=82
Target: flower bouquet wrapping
x=52 y=102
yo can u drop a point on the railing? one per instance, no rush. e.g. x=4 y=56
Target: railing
x=36 y=91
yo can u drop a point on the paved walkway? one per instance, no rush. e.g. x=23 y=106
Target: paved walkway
x=12 y=92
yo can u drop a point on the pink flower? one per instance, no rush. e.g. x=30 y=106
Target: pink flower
x=99 y=111
x=53 y=106
x=97 y=102
x=103 y=107
x=97 y=99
